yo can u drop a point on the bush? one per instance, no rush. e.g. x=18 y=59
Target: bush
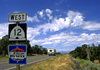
x=86 y=65
x=6 y=56
x=3 y=53
x=90 y=66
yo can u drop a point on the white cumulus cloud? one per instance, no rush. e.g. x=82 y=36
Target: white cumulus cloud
x=31 y=19
x=41 y=13
x=49 y=12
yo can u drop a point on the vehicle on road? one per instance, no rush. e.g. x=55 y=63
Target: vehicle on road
x=52 y=51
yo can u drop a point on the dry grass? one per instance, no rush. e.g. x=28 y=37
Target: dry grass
x=96 y=61
x=3 y=58
x=60 y=62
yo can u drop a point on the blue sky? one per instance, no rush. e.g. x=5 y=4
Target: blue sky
x=59 y=24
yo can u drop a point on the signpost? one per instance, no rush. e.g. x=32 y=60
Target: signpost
x=17 y=33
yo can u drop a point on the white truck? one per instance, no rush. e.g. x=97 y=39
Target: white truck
x=52 y=51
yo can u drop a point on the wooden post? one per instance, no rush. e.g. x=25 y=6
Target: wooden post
x=17 y=66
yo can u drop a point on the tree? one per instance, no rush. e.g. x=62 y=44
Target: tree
x=33 y=49
x=0 y=47
x=44 y=50
x=88 y=52
x=4 y=45
x=84 y=46
x=28 y=47
x=40 y=50
x=37 y=49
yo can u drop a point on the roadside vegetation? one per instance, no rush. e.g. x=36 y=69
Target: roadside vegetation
x=87 y=52
x=64 y=62
x=84 y=57
x=60 y=62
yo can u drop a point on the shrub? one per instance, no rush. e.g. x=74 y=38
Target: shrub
x=3 y=53
x=91 y=66
x=6 y=56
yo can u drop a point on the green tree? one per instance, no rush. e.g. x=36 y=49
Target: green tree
x=33 y=49
x=41 y=50
x=88 y=52
x=37 y=49
x=28 y=47
x=84 y=46
x=4 y=45
x=44 y=50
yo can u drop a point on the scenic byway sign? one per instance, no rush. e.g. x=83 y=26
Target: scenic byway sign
x=17 y=54
x=17 y=17
x=17 y=32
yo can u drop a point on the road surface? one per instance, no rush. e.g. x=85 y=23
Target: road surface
x=4 y=65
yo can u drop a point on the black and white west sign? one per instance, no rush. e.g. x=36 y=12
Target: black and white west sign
x=17 y=17
x=17 y=32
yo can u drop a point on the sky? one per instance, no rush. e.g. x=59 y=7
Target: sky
x=59 y=24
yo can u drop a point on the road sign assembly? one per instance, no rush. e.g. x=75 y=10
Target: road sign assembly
x=17 y=32
x=17 y=54
x=17 y=17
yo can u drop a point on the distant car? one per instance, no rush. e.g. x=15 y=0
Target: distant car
x=52 y=51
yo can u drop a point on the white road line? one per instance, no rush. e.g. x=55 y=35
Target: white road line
x=27 y=64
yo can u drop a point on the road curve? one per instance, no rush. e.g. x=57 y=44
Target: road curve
x=4 y=65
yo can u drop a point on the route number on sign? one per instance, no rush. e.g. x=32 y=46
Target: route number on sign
x=17 y=32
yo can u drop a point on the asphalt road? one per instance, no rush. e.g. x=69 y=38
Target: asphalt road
x=4 y=65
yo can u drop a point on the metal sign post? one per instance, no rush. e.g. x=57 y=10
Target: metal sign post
x=17 y=66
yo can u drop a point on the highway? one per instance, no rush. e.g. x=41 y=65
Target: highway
x=4 y=65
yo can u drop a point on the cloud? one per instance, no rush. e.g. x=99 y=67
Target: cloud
x=32 y=32
x=4 y=29
x=76 y=18
x=55 y=25
x=46 y=43
x=49 y=12
x=83 y=39
x=72 y=33
x=90 y=25
x=66 y=40
x=60 y=2
x=57 y=10
x=41 y=13
x=34 y=18
x=72 y=19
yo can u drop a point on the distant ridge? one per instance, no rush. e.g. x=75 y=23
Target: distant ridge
x=64 y=52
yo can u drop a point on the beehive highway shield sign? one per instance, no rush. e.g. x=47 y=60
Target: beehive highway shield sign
x=17 y=54
x=17 y=32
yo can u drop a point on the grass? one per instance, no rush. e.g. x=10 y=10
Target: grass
x=60 y=62
x=3 y=58
x=63 y=62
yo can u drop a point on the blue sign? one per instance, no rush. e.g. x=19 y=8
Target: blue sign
x=17 y=54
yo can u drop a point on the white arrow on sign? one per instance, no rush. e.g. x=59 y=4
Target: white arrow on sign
x=17 y=33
